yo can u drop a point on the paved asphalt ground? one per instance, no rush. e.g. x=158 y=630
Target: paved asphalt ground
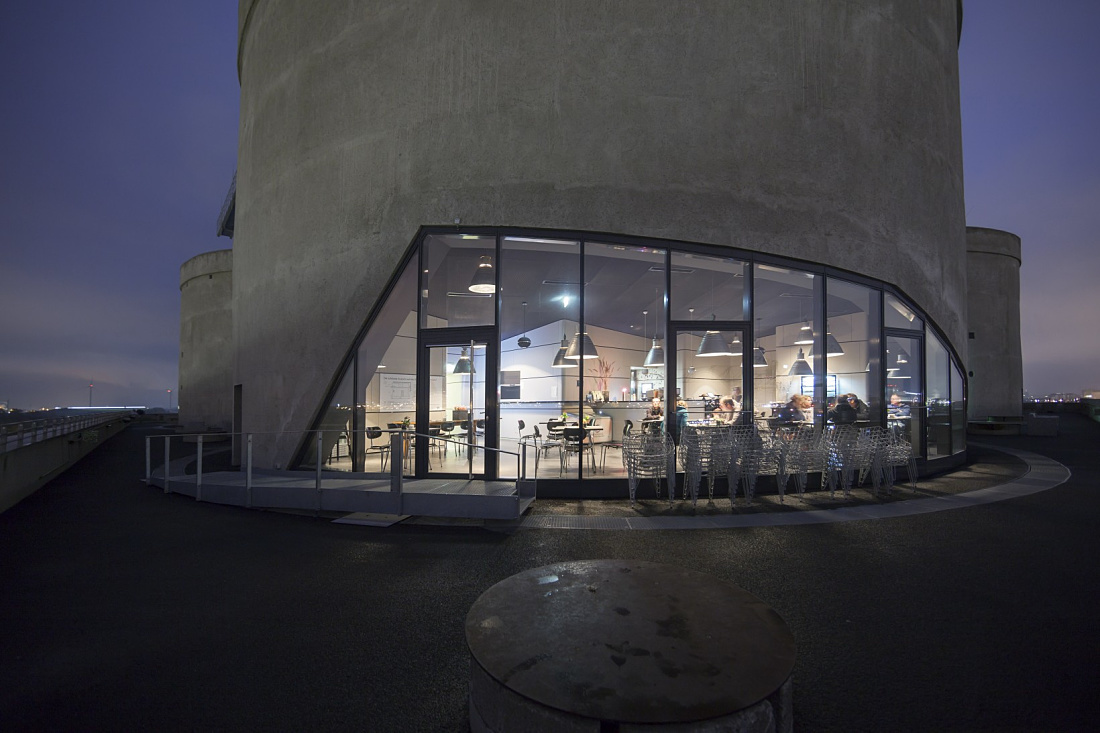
x=122 y=608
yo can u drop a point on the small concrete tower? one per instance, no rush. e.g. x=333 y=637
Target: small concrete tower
x=206 y=340
x=993 y=300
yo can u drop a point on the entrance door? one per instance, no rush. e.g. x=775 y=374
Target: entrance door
x=457 y=406
x=709 y=366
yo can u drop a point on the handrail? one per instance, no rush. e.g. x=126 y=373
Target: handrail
x=397 y=442
x=28 y=432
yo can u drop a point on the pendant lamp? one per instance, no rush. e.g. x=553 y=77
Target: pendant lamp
x=484 y=281
x=758 y=359
x=559 y=359
x=465 y=364
x=656 y=355
x=581 y=347
x=832 y=346
x=523 y=341
x=801 y=367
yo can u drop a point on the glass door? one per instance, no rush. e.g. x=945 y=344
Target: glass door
x=458 y=420
x=709 y=376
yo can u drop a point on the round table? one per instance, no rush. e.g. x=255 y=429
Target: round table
x=628 y=642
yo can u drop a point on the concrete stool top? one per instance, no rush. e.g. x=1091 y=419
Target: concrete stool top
x=630 y=641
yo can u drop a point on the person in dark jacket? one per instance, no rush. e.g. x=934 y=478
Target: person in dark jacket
x=842 y=413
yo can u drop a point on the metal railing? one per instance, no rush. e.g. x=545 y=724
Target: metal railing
x=399 y=440
x=21 y=434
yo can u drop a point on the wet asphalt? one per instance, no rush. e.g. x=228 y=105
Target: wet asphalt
x=123 y=608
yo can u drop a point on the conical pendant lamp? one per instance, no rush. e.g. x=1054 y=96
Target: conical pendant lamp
x=832 y=346
x=559 y=359
x=801 y=367
x=465 y=364
x=581 y=347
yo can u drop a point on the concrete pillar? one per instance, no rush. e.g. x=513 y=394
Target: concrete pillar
x=205 y=395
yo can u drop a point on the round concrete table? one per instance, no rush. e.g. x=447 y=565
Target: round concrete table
x=573 y=645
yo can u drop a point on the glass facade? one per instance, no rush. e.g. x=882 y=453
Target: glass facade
x=487 y=342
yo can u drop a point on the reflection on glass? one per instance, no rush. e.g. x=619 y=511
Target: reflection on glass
x=938 y=397
x=900 y=315
x=904 y=400
x=958 y=411
x=457 y=410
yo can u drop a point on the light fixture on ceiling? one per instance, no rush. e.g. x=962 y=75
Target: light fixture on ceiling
x=484 y=280
x=559 y=359
x=464 y=365
x=903 y=356
x=805 y=333
x=832 y=346
x=758 y=359
x=800 y=367
x=581 y=347
x=524 y=342
x=656 y=355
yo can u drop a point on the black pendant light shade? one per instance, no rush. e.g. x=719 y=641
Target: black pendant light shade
x=581 y=347
x=465 y=364
x=484 y=280
x=801 y=367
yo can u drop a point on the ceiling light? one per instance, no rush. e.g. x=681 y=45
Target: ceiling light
x=484 y=280
x=800 y=367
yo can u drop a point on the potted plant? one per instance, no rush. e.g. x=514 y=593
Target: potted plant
x=602 y=371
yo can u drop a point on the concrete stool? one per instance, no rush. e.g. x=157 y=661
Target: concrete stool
x=626 y=645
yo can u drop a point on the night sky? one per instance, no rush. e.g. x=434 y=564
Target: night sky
x=118 y=134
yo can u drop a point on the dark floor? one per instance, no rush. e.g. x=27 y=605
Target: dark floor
x=122 y=608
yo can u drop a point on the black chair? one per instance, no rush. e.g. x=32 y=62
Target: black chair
x=373 y=433
x=575 y=441
x=446 y=433
x=526 y=439
x=628 y=427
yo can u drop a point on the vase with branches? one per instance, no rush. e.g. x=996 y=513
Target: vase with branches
x=602 y=371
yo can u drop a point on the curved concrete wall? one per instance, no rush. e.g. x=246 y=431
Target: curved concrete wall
x=205 y=394
x=826 y=130
x=995 y=360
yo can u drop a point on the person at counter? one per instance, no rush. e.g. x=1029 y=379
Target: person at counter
x=843 y=413
x=897 y=408
x=796 y=410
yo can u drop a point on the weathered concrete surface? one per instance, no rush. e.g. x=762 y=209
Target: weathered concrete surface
x=205 y=395
x=825 y=130
x=993 y=301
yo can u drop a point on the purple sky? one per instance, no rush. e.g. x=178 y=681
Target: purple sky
x=118 y=141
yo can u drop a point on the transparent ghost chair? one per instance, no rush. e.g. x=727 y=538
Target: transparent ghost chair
x=650 y=455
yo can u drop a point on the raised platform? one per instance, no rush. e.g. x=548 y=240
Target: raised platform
x=626 y=645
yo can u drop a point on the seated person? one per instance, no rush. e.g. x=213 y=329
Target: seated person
x=680 y=422
x=842 y=413
x=728 y=411
x=897 y=408
x=863 y=411
x=796 y=410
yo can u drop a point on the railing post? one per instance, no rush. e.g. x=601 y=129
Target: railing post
x=320 y=434
x=167 y=454
x=397 y=466
x=248 y=473
x=148 y=459
x=198 y=473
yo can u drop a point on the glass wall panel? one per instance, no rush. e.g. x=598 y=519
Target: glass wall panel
x=386 y=359
x=709 y=378
x=852 y=343
x=786 y=304
x=904 y=399
x=457 y=394
x=938 y=398
x=900 y=315
x=958 y=411
x=458 y=281
x=536 y=381
x=707 y=288
x=625 y=317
